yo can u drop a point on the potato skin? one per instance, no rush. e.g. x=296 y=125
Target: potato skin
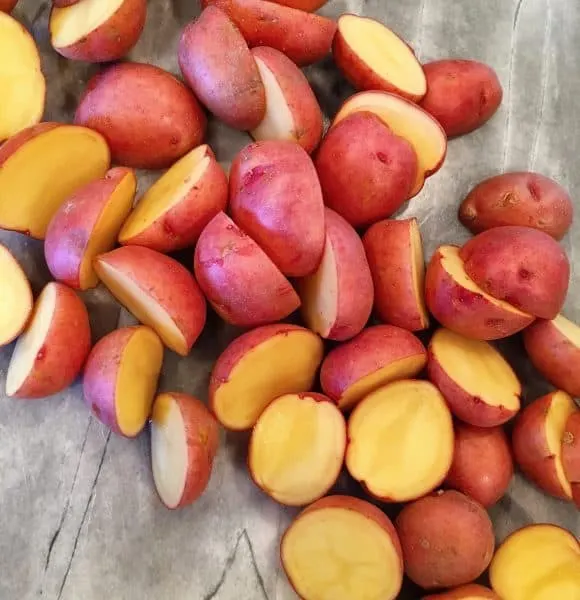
x=571 y=454
x=525 y=199
x=461 y=94
x=63 y=3
x=8 y=5
x=465 y=592
x=520 y=265
x=447 y=540
x=305 y=5
x=482 y=465
x=148 y=117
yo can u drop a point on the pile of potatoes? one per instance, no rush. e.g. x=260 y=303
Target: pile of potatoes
x=300 y=231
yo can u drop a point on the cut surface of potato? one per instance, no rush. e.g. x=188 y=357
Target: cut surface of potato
x=571 y=454
x=15 y=297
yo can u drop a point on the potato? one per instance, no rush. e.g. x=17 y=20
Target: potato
x=461 y=94
x=554 y=349
x=87 y=225
x=369 y=561
x=54 y=346
x=376 y=356
x=306 y=5
x=525 y=199
x=148 y=117
x=571 y=454
x=460 y=305
x=337 y=298
x=520 y=265
x=63 y=3
x=184 y=442
x=372 y=57
x=543 y=558
x=366 y=172
x=242 y=284
x=276 y=199
x=447 y=540
x=21 y=79
x=394 y=252
x=8 y=5
x=479 y=385
x=471 y=591
x=292 y=110
x=159 y=291
x=173 y=212
x=304 y=38
x=80 y=32
x=482 y=465
x=120 y=378
x=537 y=442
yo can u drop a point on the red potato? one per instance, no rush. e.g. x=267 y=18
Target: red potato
x=158 y=290
x=292 y=110
x=173 y=212
x=87 y=225
x=148 y=117
x=524 y=199
x=471 y=591
x=80 y=32
x=304 y=38
x=571 y=454
x=447 y=540
x=242 y=284
x=349 y=538
x=218 y=66
x=366 y=172
x=482 y=465
x=479 y=385
x=63 y=3
x=184 y=443
x=276 y=199
x=372 y=57
x=337 y=298
x=305 y=5
x=520 y=265
x=537 y=442
x=54 y=346
x=461 y=94
x=459 y=304
x=376 y=356
x=406 y=120
x=394 y=252
x=8 y=5
x=554 y=349
x=120 y=378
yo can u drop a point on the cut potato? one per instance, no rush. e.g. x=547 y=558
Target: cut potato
x=15 y=297
x=52 y=350
x=538 y=562
x=400 y=441
x=372 y=57
x=408 y=121
x=571 y=454
x=184 y=442
x=21 y=79
x=471 y=591
x=42 y=166
x=297 y=448
x=479 y=385
x=259 y=366
x=340 y=544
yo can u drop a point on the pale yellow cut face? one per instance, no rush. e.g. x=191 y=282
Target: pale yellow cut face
x=338 y=554
x=568 y=329
x=21 y=79
x=15 y=297
x=418 y=266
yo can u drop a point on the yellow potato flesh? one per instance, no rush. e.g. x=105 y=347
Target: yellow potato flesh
x=568 y=329
x=15 y=297
x=418 y=266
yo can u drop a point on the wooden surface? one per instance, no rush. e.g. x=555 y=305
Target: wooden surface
x=79 y=517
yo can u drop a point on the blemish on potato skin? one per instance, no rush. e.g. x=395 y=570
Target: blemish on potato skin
x=568 y=438
x=41 y=354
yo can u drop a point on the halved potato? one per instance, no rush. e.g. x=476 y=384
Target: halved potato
x=571 y=454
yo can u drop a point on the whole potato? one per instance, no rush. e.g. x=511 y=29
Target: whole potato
x=461 y=94
x=526 y=199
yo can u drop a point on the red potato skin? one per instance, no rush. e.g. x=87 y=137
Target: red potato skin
x=465 y=592
x=371 y=350
x=304 y=38
x=437 y=534
x=7 y=5
x=554 y=356
x=64 y=3
x=465 y=312
x=388 y=247
x=482 y=465
x=114 y=38
x=520 y=265
x=148 y=117
x=366 y=172
x=305 y=5
x=242 y=284
x=522 y=199
x=461 y=94
x=276 y=199
x=571 y=455
x=67 y=345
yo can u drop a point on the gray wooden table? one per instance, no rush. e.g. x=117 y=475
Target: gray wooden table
x=79 y=517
